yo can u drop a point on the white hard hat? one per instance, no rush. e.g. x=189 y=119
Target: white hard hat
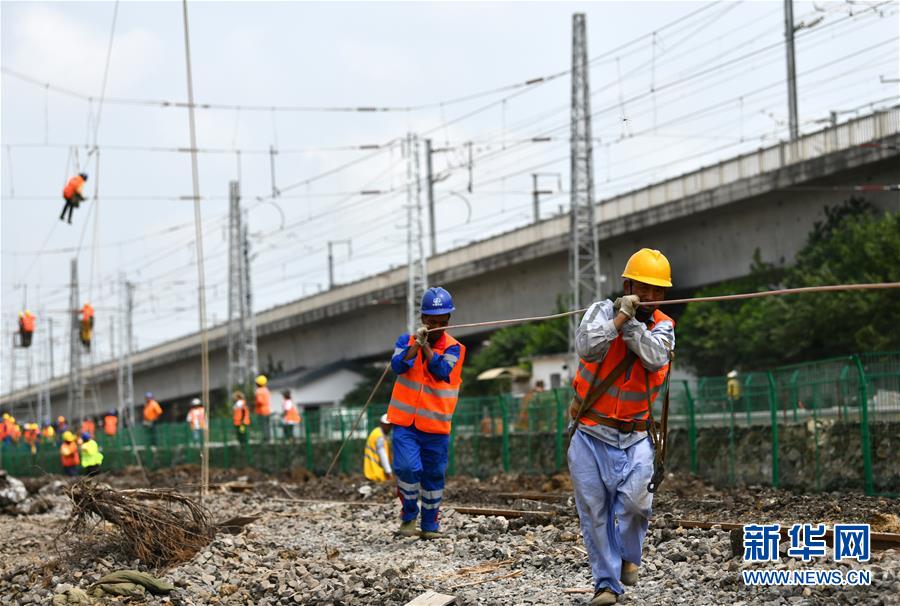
x=384 y=419
x=732 y=374
x=196 y=402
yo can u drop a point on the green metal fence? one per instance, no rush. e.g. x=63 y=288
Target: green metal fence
x=822 y=425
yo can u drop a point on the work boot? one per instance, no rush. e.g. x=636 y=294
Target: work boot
x=408 y=529
x=604 y=597
x=428 y=535
x=629 y=573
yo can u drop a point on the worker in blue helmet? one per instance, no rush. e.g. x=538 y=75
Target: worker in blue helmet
x=428 y=365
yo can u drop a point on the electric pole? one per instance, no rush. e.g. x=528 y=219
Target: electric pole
x=76 y=384
x=127 y=350
x=791 y=69
x=331 y=244
x=537 y=193
x=584 y=253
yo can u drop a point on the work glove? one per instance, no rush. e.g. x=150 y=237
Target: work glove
x=422 y=336
x=627 y=305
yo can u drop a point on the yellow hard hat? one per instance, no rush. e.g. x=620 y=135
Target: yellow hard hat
x=261 y=380
x=68 y=436
x=650 y=267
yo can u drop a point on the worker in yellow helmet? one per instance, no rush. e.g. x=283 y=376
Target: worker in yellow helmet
x=263 y=406
x=624 y=350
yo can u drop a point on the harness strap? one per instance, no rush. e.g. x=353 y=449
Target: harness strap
x=593 y=393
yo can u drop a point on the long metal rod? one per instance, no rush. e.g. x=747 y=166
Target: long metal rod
x=201 y=280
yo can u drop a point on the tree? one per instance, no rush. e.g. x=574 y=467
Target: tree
x=853 y=245
x=508 y=346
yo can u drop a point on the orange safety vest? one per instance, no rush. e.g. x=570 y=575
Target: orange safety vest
x=262 y=406
x=31 y=436
x=74 y=185
x=627 y=398
x=27 y=321
x=88 y=426
x=87 y=313
x=291 y=414
x=420 y=398
x=241 y=415
x=152 y=411
x=195 y=418
x=68 y=452
x=110 y=425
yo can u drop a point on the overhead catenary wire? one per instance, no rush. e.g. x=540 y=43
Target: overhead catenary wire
x=712 y=299
x=629 y=108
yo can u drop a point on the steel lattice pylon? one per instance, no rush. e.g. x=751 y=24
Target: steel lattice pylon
x=584 y=265
x=242 y=362
x=417 y=272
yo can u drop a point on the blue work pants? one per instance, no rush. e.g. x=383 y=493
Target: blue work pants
x=613 y=503
x=420 y=461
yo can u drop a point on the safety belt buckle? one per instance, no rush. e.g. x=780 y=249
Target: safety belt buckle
x=626 y=427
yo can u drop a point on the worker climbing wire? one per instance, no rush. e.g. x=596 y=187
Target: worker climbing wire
x=87 y=325
x=73 y=194
x=428 y=365
x=624 y=352
x=377 y=454
x=262 y=406
x=26 y=327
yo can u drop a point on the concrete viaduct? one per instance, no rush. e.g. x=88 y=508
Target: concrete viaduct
x=708 y=222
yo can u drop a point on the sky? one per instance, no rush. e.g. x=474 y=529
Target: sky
x=675 y=86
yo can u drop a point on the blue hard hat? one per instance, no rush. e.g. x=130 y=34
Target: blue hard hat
x=149 y=394
x=85 y=435
x=437 y=301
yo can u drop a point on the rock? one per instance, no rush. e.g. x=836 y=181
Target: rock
x=12 y=490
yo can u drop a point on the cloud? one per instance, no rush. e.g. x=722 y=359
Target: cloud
x=55 y=45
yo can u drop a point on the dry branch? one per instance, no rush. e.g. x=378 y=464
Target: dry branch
x=158 y=527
